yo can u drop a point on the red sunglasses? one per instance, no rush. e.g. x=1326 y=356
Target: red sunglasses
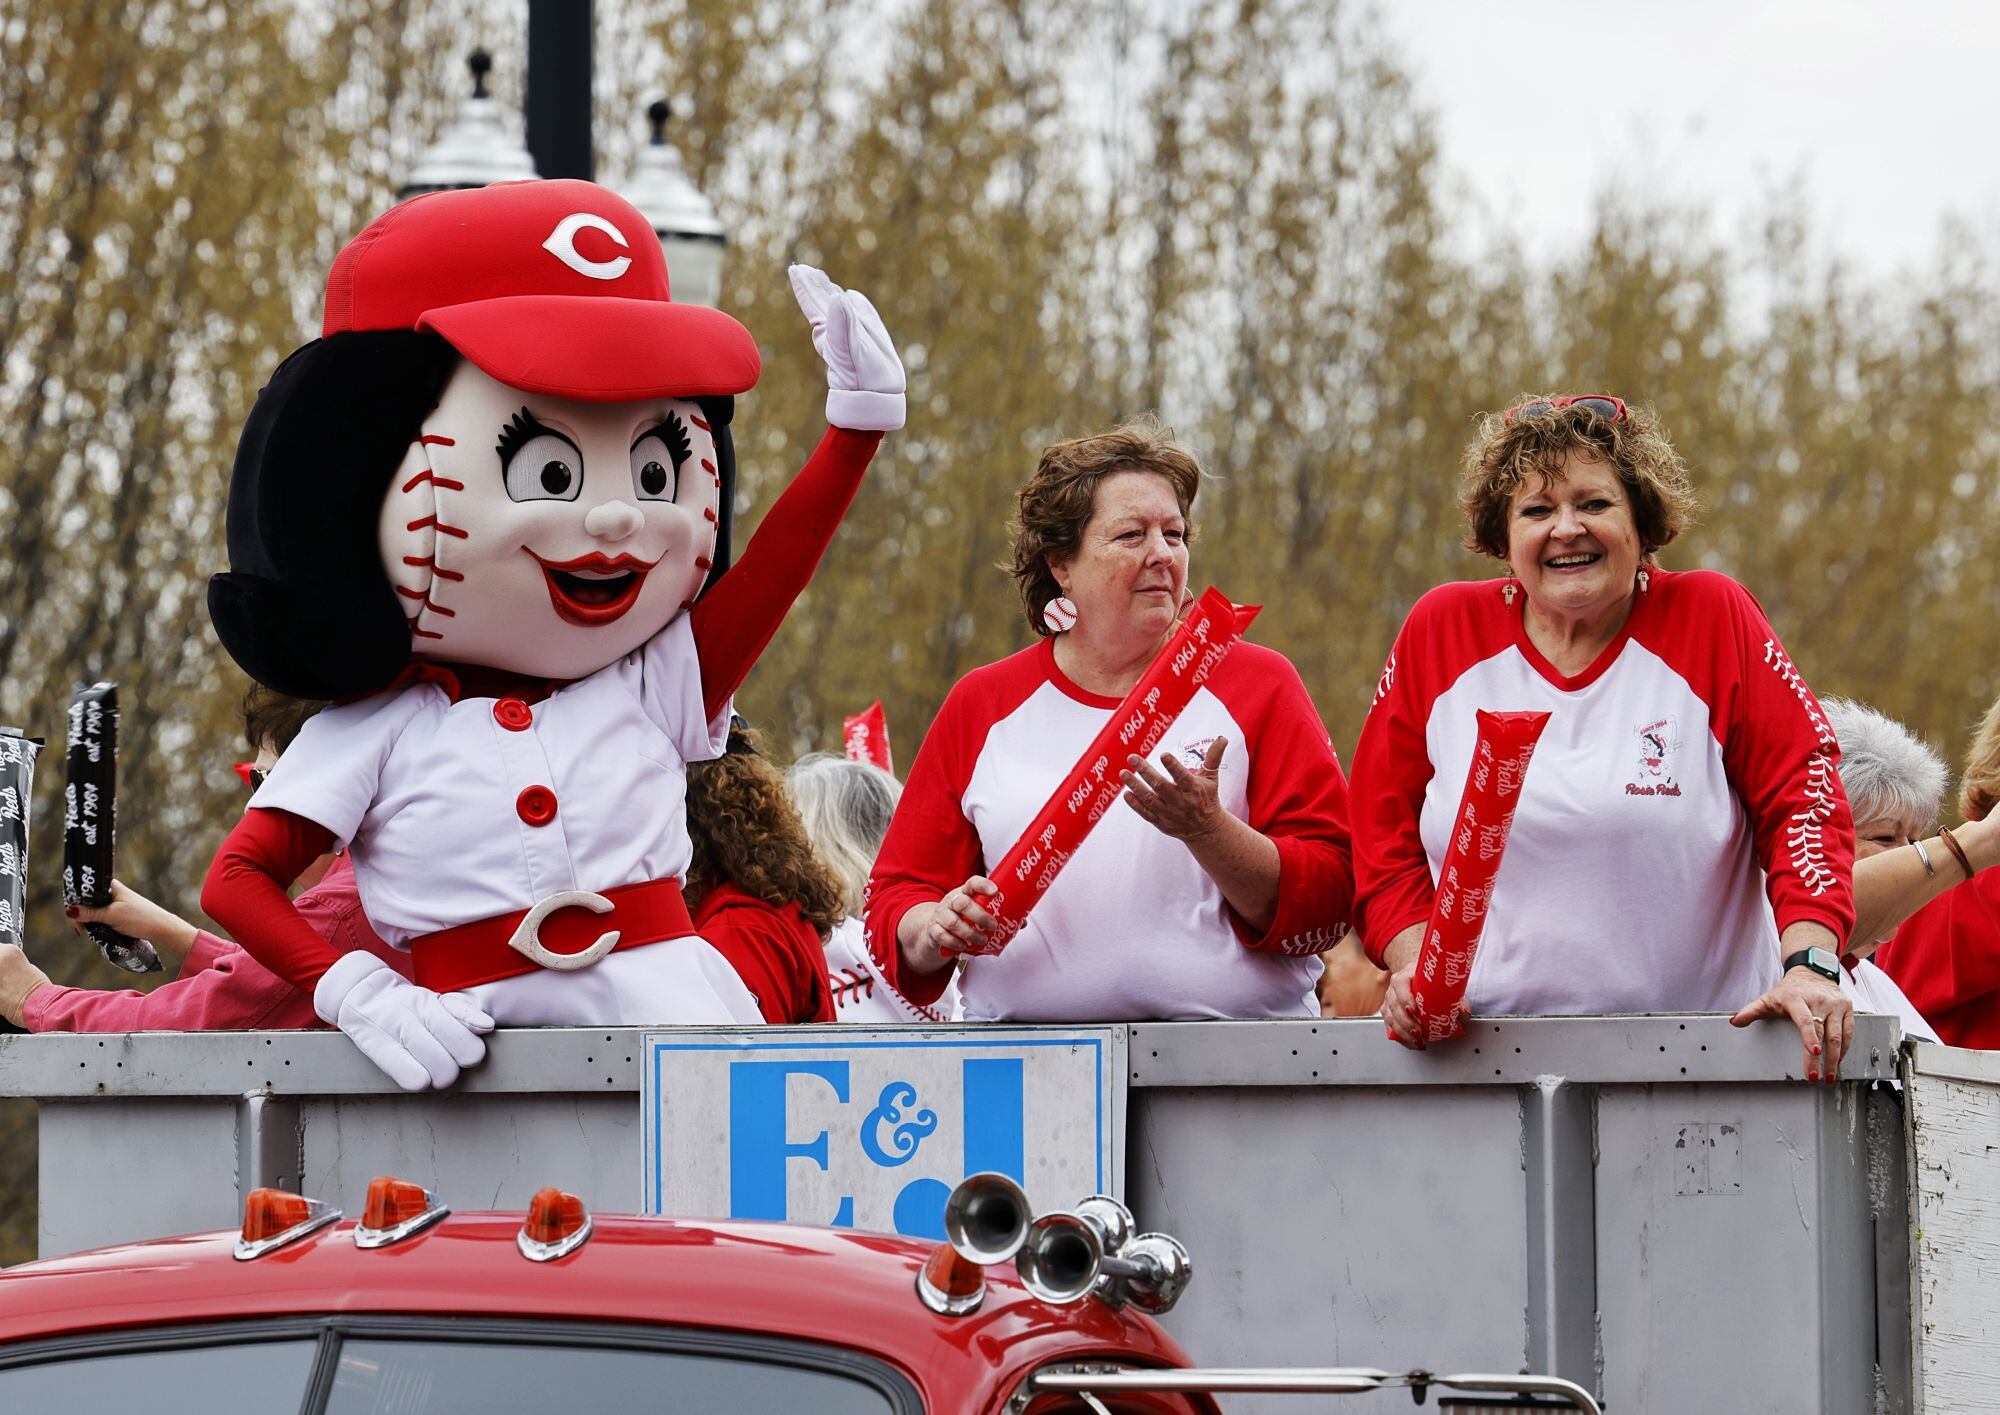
x=251 y=774
x=1611 y=409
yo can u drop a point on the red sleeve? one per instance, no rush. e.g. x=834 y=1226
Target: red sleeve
x=1947 y=955
x=1392 y=768
x=1298 y=798
x=776 y=953
x=931 y=847
x=234 y=994
x=1783 y=759
x=245 y=893
x=735 y=620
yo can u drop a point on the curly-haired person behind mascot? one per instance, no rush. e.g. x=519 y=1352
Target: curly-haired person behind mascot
x=759 y=894
x=1682 y=842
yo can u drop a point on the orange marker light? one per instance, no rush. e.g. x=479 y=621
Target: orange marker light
x=557 y=1224
x=392 y=1201
x=396 y=1209
x=269 y=1212
x=275 y=1217
x=950 y=1284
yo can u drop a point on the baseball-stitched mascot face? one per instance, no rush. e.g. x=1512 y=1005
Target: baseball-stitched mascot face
x=549 y=536
x=510 y=449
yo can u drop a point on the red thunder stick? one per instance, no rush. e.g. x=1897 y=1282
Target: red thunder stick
x=1471 y=860
x=1190 y=658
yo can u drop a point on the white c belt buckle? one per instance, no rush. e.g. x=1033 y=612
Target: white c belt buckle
x=527 y=938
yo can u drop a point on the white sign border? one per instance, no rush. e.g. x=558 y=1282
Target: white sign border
x=1110 y=1043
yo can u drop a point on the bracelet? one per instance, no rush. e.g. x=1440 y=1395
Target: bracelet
x=1951 y=843
x=1930 y=870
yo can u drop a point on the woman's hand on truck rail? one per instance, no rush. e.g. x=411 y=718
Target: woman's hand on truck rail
x=1817 y=1006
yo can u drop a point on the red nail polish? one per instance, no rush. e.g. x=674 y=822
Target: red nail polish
x=72 y=910
x=1812 y=1075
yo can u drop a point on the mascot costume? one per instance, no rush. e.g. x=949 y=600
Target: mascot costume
x=487 y=513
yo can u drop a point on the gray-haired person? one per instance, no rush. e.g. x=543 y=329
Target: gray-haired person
x=846 y=806
x=1895 y=784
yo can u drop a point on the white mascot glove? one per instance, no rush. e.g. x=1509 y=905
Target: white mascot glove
x=420 y=1038
x=864 y=378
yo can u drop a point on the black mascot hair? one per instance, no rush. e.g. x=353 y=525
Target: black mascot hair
x=307 y=608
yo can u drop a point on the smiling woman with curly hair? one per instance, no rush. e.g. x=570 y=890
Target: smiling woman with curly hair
x=758 y=893
x=1682 y=842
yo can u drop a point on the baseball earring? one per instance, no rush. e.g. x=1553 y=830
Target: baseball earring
x=1060 y=614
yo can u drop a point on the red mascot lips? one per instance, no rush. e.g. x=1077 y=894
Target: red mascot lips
x=593 y=590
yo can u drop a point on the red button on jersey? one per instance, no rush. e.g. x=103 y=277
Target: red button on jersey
x=513 y=714
x=536 y=805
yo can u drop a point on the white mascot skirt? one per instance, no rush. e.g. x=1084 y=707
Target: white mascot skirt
x=655 y=984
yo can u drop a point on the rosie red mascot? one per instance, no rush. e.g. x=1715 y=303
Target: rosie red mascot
x=487 y=513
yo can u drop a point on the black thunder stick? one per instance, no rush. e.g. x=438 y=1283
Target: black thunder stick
x=90 y=821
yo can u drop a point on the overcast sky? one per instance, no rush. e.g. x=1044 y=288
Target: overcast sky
x=1887 y=112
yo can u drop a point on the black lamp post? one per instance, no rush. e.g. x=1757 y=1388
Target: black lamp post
x=681 y=216
x=476 y=150
x=559 y=79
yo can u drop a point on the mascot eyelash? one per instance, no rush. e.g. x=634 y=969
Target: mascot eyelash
x=517 y=433
x=671 y=431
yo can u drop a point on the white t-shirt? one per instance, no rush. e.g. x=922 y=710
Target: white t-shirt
x=1872 y=990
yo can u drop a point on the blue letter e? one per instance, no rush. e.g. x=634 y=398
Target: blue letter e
x=758 y=1148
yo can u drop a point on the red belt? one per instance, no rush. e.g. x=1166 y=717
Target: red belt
x=483 y=952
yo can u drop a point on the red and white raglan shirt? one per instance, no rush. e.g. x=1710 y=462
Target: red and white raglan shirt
x=1132 y=929
x=1682 y=808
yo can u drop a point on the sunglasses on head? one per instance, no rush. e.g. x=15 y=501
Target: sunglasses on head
x=251 y=775
x=1611 y=409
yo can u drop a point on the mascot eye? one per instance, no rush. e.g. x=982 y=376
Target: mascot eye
x=545 y=469
x=537 y=463
x=657 y=459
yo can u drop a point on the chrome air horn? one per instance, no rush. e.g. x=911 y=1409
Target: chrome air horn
x=1149 y=1270
x=985 y=1221
x=1061 y=1257
x=986 y=1218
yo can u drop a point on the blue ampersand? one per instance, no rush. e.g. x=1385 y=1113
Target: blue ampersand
x=905 y=1135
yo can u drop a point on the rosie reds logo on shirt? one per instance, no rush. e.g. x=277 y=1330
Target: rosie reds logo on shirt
x=1658 y=740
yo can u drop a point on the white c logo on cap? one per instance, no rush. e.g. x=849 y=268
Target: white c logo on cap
x=562 y=245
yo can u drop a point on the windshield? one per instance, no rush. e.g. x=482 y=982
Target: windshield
x=244 y=1378
x=331 y=1368
x=389 y=1377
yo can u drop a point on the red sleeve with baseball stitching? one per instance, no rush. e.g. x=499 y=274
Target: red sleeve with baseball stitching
x=735 y=620
x=1392 y=767
x=931 y=848
x=245 y=893
x=1782 y=758
x=1298 y=799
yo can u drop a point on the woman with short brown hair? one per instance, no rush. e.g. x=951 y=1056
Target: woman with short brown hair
x=1681 y=842
x=1213 y=894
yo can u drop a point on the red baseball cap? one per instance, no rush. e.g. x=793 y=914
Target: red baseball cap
x=556 y=287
